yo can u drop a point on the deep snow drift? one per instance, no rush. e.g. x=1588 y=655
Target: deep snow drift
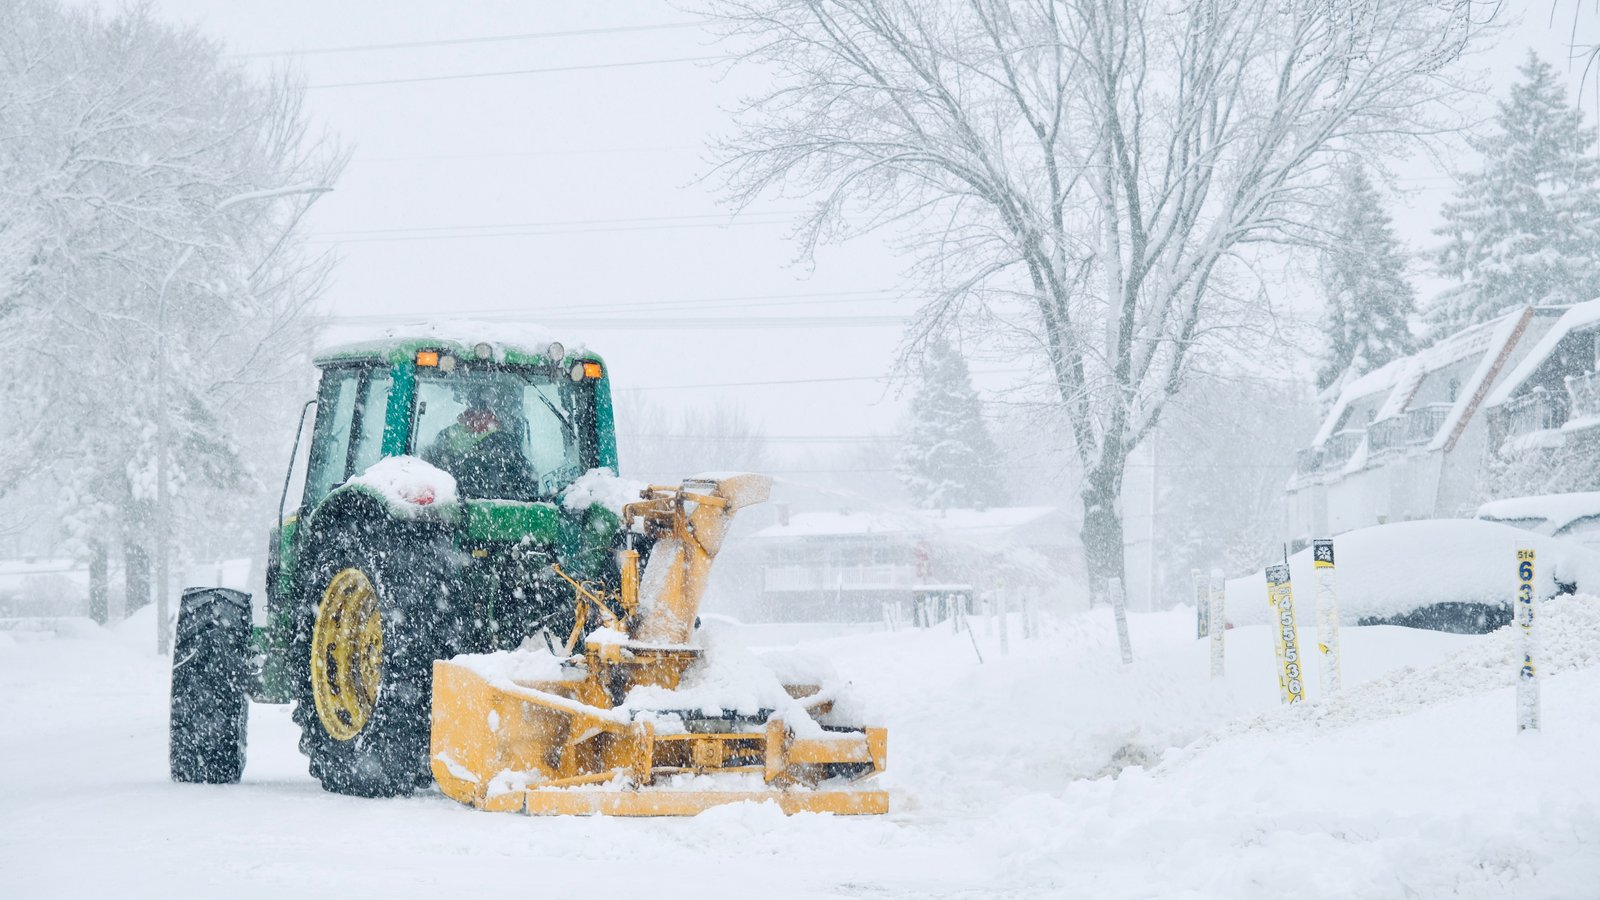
x=1053 y=771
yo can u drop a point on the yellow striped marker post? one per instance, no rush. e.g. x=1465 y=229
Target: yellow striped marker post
x=1280 y=595
x=1528 y=675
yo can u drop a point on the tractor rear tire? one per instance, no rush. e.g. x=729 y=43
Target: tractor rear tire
x=371 y=741
x=210 y=685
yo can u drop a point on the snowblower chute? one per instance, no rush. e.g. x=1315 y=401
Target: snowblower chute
x=594 y=728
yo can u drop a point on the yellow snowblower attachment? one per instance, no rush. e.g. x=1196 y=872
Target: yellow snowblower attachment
x=562 y=738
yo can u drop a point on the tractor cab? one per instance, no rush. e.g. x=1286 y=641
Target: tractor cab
x=512 y=426
x=506 y=423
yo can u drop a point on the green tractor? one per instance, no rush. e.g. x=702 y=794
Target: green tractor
x=439 y=517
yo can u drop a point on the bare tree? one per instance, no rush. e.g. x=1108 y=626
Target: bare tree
x=151 y=269
x=1087 y=177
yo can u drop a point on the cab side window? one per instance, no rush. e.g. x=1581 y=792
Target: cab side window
x=371 y=414
x=330 y=439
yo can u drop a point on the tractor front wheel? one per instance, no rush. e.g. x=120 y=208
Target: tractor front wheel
x=368 y=629
x=210 y=682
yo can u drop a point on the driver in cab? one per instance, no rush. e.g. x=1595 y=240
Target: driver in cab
x=481 y=448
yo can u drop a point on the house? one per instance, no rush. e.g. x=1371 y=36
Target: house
x=35 y=586
x=844 y=566
x=1543 y=415
x=1409 y=440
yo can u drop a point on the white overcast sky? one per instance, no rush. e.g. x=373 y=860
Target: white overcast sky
x=594 y=173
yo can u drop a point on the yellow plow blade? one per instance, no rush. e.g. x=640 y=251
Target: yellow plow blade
x=538 y=747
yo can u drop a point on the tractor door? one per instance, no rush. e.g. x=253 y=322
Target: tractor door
x=347 y=438
x=351 y=409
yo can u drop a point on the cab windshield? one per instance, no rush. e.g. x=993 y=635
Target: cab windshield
x=504 y=433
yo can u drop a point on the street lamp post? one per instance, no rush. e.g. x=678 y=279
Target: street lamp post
x=163 y=523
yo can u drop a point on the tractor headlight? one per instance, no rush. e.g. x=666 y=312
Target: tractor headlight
x=555 y=353
x=576 y=371
x=482 y=351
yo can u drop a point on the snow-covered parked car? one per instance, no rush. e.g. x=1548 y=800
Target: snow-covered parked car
x=1446 y=574
x=1572 y=516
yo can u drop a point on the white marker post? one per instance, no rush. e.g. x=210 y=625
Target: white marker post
x=1120 y=610
x=1528 y=677
x=1327 y=613
x=1280 y=594
x=1202 y=605
x=1005 y=621
x=1219 y=620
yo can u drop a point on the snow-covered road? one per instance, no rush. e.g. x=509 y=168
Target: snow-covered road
x=1413 y=784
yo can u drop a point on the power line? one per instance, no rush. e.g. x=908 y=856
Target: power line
x=840 y=379
x=724 y=384
x=865 y=294
x=381 y=239
x=776 y=438
x=518 y=154
x=715 y=323
x=725 y=323
x=715 y=218
x=544 y=71
x=1029 y=468
x=484 y=39
x=589 y=309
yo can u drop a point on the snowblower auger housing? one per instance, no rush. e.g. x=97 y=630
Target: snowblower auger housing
x=460 y=500
x=570 y=744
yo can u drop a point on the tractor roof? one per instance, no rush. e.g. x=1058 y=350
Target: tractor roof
x=512 y=344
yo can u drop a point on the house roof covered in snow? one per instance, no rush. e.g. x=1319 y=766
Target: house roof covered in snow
x=1398 y=381
x=1576 y=318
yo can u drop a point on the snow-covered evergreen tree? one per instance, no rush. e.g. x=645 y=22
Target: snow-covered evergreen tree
x=948 y=458
x=1525 y=229
x=1369 y=301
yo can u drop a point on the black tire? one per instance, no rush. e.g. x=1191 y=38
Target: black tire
x=210 y=684
x=406 y=566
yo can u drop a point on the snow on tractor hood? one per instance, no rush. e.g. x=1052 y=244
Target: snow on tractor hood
x=408 y=486
x=600 y=487
x=1390 y=570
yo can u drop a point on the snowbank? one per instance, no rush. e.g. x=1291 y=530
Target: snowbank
x=1568 y=641
x=1050 y=771
x=1388 y=570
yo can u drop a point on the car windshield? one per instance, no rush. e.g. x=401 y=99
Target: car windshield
x=507 y=434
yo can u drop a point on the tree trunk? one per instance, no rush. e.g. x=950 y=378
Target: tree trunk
x=136 y=576
x=1102 y=526
x=99 y=587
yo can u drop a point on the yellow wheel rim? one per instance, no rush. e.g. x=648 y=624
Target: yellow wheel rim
x=347 y=654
